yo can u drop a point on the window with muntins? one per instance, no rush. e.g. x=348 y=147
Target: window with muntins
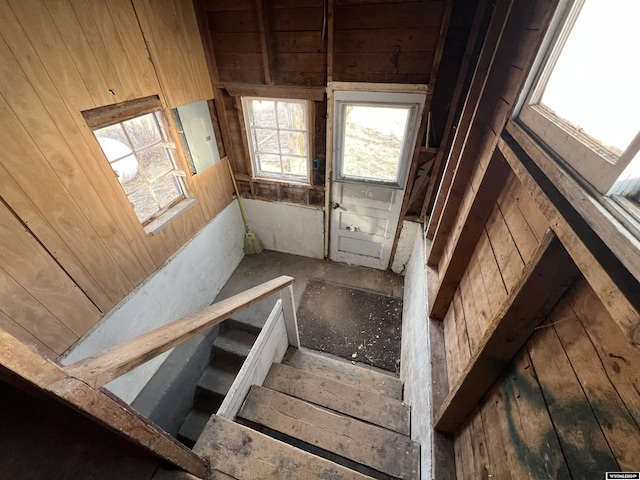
x=583 y=97
x=135 y=141
x=278 y=138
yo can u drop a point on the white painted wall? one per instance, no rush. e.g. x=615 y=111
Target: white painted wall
x=405 y=246
x=187 y=282
x=288 y=228
x=415 y=361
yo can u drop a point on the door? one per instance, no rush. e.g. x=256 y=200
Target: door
x=373 y=144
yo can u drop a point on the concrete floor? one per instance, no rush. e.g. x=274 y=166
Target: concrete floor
x=259 y=268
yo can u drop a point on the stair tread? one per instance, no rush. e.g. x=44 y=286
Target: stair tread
x=344 y=372
x=243 y=453
x=362 y=404
x=381 y=449
x=234 y=342
x=193 y=425
x=217 y=379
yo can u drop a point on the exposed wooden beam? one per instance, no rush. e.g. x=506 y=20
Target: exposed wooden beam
x=437 y=58
x=330 y=38
x=436 y=172
x=98 y=405
x=315 y=94
x=100 y=369
x=458 y=166
x=545 y=279
x=469 y=225
x=613 y=284
x=263 y=26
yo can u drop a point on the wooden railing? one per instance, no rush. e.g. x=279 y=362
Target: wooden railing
x=78 y=384
x=100 y=369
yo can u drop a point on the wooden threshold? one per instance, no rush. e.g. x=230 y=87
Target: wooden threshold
x=467 y=231
x=545 y=279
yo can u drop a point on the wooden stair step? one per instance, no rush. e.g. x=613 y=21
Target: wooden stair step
x=344 y=372
x=245 y=454
x=233 y=343
x=343 y=398
x=370 y=445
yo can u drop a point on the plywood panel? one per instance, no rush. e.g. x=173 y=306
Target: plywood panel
x=31 y=266
x=58 y=58
x=179 y=56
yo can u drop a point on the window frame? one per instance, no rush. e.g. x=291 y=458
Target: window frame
x=576 y=151
x=256 y=171
x=111 y=115
x=413 y=102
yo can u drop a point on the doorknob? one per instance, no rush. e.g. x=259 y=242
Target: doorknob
x=335 y=205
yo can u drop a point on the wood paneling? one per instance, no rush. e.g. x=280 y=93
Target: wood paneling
x=564 y=408
x=178 y=57
x=59 y=58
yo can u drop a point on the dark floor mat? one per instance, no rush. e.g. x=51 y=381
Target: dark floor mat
x=353 y=324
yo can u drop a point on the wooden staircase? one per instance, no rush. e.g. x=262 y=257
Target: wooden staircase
x=315 y=416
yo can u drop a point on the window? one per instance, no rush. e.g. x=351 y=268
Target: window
x=375 y=136
x=583 y=99
x=135 y=140
x=278 y=138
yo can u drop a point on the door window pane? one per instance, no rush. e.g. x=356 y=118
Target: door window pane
x=373 y=141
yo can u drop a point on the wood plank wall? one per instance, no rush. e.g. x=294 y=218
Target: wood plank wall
x=568 y=406
x=59 y=194
x=506 y=245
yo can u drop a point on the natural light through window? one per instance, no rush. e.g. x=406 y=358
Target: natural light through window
x=137 y=152
x=278 y=137
x=595 y=84
x=374 y=141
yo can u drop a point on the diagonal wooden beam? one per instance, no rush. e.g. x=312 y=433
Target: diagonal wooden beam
x=100 y=369
x=469 y=225
x=97 y=405
x=545 y=279
x=263 y=26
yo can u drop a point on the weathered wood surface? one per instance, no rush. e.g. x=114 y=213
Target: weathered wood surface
x=344 y=372
x=546 y=278
x=115 y=361
x=340 y=397
x=269 y=347
x=244 y=454
x=98 y=405
x=369 y=445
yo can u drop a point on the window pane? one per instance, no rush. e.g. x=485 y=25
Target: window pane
x=266 y=140
x=166 y=189
x=595 y=82
x=155 y=161
x=142 y=131
x=294 y=166
x=373 y=141
x=263 y=113
x=269 y=163
x=291 y=116
x=144 y=203
x=115 y=133
x=126 y=169
x=293 y=143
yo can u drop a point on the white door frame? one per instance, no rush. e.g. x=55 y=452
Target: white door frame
x=414 y=97
x=352 y=86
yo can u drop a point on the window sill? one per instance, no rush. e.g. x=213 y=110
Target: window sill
x=592 y=206
x=158 y=224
